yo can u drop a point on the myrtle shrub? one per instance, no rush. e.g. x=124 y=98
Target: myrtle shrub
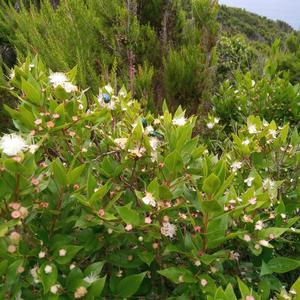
x=100 y=200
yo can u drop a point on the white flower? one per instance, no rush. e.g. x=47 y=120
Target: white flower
x=252 y=129
x=149 y=129
x=58 y=78
x=153 y=156
x=48 y=269
x=268 y=183
x=236 y=166
x=62 y=252
x=253 y=83
x=121 y=142
x=210 y=125
x=80 y=292
x=247 y=238
x=138 y=151
x=92 y=277
x=264 y=243
x=69 y=87
x=197 y=263
x=179 y=121
x=34 y=274
x=108 y=88
x=168 y=229
x=203 y=282
x=154 y=142
x=72 y=266
x=245 y=142
x=149 y=199
x=33 y=148
x=252 y=201
x=54 y=288
x=273 y=133
x=249 y=180
x=42 y=254
x=259 y=225
x=216 y=120
x=12 y=144
x=12 y=75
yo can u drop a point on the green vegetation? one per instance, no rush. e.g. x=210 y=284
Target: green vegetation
x=101 y=199
x=152 y=151
x=141 y=47
x=254 y=27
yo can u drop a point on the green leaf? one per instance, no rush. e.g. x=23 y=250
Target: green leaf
x=32 y=93
x=130 y=284
x=97 y=197
x=245 y=291
x=173 y=163
x=74 y=174
x=211 y=184
x=229 y=293
x=48 y=279
x=96 y=289
x=283 y=264
x=74 y=279
x=59 y=172
x=146 y=257
x=3 y=229
x=3 y=267
x=94 y=268
x=296 y=286
x=178 y=275
x=12 y=275
x=128 y=215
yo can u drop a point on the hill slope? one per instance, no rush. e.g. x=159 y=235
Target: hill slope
x=255 y=27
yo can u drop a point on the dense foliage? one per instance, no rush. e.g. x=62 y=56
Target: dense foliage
x=103 y=196
x=100 y=199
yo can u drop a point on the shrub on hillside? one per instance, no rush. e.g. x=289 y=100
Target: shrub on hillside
x=102 y=200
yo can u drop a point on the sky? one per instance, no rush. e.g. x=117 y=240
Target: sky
x=285 y=10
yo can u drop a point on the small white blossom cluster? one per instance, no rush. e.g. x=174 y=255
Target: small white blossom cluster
x=168 y=229
x=12 y=144
x=149 y=200
x=211 y=124
x=60 y=79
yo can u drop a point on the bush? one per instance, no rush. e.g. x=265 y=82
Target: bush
x=99 y=199
x=271 y=96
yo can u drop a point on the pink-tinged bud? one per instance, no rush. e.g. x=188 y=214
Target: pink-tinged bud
x=15 y=205
x=15 y=237
x=203 y=282
x=50 y=124
x=35 y=181
x=197 y=229
x=16 y=214
x=128 y=227
x=155 y=245
x=11 y=249
x=56 y=116
x=24 y=212
x=38 y=122
x=76 y=186
x=148 y=220
x=101 y=212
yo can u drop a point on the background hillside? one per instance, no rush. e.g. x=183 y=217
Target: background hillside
x=239 y=21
